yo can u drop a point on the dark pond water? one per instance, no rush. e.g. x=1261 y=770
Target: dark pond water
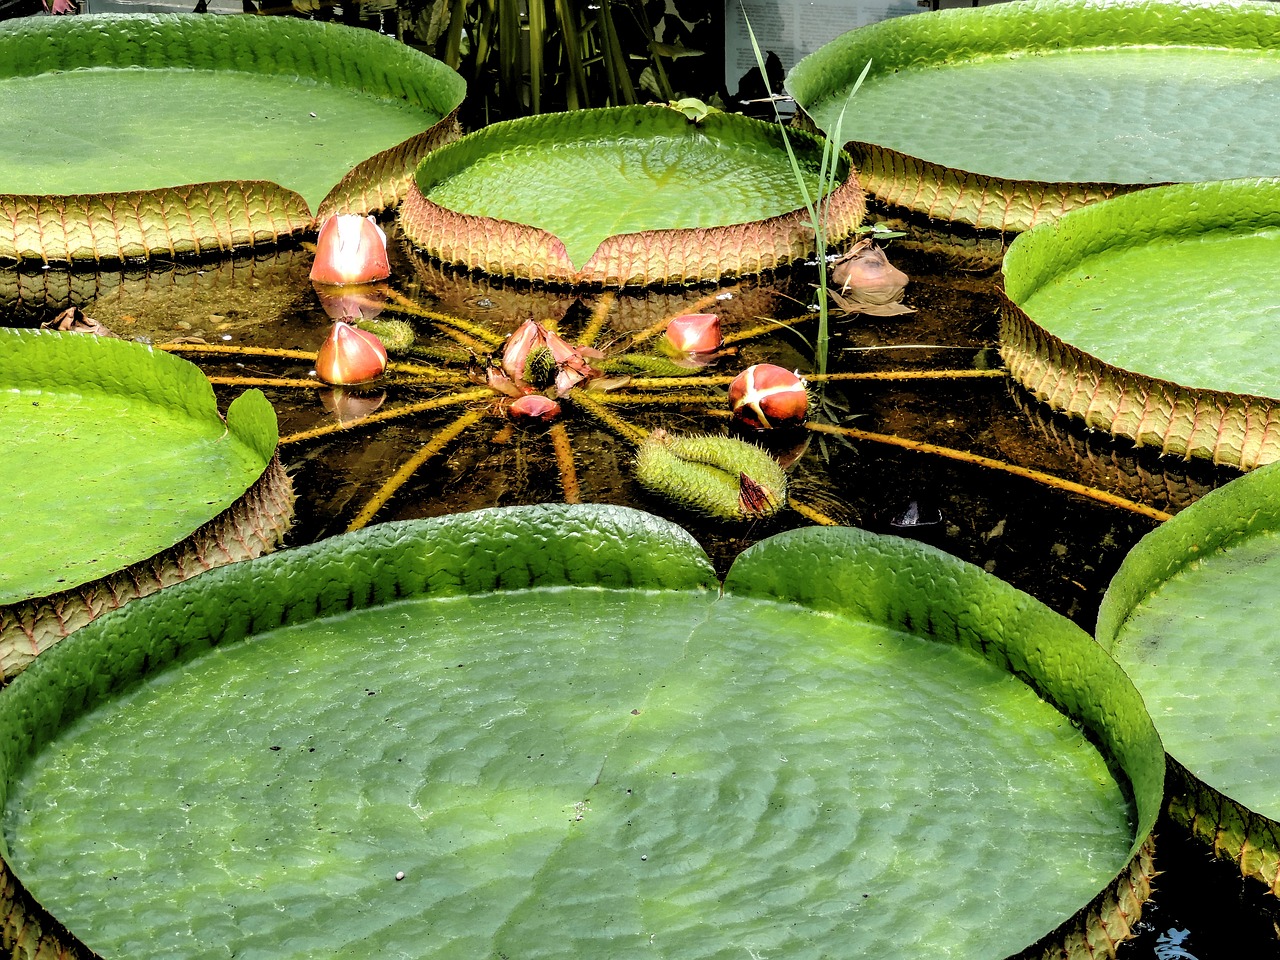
x=1059 y=545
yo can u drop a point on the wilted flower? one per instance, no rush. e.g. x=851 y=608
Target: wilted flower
x=75 y=320
x=695 y=333
x=533 y=354
x=765 y=396
x=350 y=355
x=869 y=283
x=350 y=249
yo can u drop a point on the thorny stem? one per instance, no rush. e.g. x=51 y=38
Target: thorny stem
x=228 y=350
x=765 y=328
x=812 y=513
x=441 y=439
x=656 y=399
x=399 y=303
x=1048 y=479
x=266 y=382
x=436 y=403
x=628 y=431
x=564 y=460
x=906 y=375
x=599 y=315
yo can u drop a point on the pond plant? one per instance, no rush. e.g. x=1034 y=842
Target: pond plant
x=258 y=92
x=789 y=758
x=1007 y=133
x=740 y=771
x=126 y=479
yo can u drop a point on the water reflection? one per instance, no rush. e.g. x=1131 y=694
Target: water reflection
x=1054 y=543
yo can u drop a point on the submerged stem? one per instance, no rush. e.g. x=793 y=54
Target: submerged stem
x=435 y=445
x=965 y=457
x=564 y=460
x=435 y=403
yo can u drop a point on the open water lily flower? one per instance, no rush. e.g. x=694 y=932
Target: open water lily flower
x=869 y=283
x=350 y=355
x=350 y=249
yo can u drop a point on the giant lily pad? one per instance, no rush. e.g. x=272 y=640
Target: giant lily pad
x=1153 y=316
x=1011 y=114
x=1191 y=615
x=120 y=478
x=545 y=732
x=222 y=131
x=623 y=196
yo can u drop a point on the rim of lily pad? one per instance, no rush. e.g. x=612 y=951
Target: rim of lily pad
x=123 y=479
x=305 y=76
x=648 y=198
x=606 y=585
x=1190 y=615
x=1004 y=131
x=1128 y=315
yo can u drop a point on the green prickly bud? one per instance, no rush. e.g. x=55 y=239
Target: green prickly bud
x=396 y=335
x=540 y=368
x=720 y=477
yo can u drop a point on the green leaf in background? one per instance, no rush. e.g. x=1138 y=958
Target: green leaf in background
x=541 y=731
x=620 y=195
x=1010 y=113
x=198 y=99
x=1191 y=616
x=112 y=453
x=1152 y=316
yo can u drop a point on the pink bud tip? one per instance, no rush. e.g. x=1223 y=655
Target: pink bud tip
x=350 y=355
x=695 y=333
x=350 y=249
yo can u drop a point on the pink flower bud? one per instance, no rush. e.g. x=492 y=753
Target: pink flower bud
x=350 y=355
x=765 y=396
x=695 y=333
x=350 y=249
x=534 y=407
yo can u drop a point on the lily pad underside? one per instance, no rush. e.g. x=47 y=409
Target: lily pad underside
x=543 y=731
x=121 y=478
x=626 y=196
x=1191 y=616
x=127 y=136
x=1152 y=316
x=1007 y=115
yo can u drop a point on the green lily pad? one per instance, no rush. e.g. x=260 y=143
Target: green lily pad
x=1010 y=114
x=114 y=454
x=623 y=196
x=544 y=731
x=1152 y=316
x=1191 y=616
x=274 y=111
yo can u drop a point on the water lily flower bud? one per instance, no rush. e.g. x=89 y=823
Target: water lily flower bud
x=350 y=355
x=765 y=396
x=534 y=407
x=695 y=333
x=350 y=249
x=866 y=276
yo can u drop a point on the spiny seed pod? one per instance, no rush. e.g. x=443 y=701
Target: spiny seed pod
x=720 y=477
x=350 y=355
x=765 y=396
x=533 y=408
